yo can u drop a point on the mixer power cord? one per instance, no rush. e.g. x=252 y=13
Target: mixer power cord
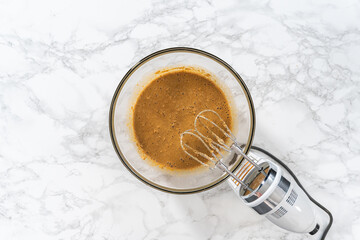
x=298 y=182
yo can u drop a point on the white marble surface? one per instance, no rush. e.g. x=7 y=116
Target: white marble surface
x=60 y=62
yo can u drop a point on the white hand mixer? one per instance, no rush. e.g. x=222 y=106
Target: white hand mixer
x=278 y=195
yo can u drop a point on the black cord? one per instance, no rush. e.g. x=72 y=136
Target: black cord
x=298 y=182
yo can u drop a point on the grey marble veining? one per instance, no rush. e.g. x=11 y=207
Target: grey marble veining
x=60 y=63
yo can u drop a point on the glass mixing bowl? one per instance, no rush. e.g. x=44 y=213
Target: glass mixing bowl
x=132 y=84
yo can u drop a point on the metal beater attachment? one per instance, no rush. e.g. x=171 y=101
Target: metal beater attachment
x=213 y=139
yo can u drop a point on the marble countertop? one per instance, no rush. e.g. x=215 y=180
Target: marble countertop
x=60 y=63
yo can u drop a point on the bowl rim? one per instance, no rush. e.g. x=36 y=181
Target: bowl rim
x=119 y=88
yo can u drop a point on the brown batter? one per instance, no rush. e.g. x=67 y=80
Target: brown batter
x=167 y=107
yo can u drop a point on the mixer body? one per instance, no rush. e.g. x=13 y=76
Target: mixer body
x=279 y=198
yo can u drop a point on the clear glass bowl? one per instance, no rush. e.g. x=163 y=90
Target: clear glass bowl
x=129 y=88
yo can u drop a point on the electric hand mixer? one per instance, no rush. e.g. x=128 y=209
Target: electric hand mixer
x=277 y=195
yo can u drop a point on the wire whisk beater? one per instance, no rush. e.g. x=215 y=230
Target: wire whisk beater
x=211 y=141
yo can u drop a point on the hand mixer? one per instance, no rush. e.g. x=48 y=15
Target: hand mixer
x=262 y=181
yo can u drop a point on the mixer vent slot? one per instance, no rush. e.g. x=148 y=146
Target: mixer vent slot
x=279 y=213
x=292 y=198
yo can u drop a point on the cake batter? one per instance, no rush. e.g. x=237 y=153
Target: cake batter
x=167 y=106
